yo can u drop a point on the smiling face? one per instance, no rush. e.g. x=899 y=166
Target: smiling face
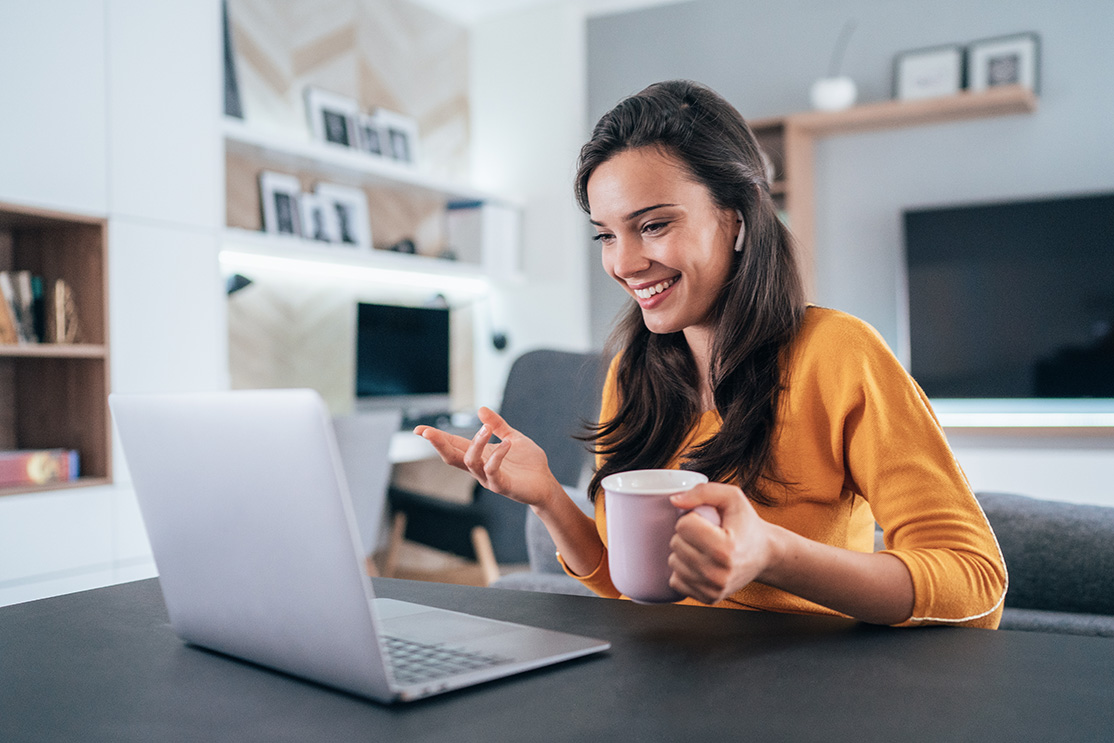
x=662 y=238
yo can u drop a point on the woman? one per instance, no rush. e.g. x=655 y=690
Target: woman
x=805 y=423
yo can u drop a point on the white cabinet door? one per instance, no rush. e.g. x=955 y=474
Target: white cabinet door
x=53 y=135
x=165 y=74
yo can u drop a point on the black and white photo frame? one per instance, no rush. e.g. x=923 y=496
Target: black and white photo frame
x=319 y=220
x=280 y=194
x=369 y=137
x=928 y=73
x=399 y=136
x=347 y=214
x=332 y=117
x=1004 y=60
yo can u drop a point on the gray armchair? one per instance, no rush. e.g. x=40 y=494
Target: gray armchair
x=549 y=396
x=1060 y=558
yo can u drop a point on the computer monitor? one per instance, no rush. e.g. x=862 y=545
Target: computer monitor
x=402 y=357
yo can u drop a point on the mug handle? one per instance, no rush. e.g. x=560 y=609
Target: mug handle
x=707 y=513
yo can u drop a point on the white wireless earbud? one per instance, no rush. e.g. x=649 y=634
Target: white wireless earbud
x=742 y=231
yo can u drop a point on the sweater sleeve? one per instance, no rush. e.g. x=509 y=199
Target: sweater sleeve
x=897 y=458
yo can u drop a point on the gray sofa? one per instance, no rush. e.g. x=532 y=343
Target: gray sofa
x=1060 y=558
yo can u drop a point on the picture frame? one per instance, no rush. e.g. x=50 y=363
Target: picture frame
x=332 y=117
x=931 y=72
x=280 y=195
x=319 y=221
x=1004 y=60
x=369 y=135
x=348 y=206
x=399 y=135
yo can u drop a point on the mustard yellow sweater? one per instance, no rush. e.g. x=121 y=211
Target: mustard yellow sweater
x=858 y=437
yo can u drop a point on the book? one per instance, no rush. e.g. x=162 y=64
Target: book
x=25 y=294
x=9 y=322
x=61 y=315
x=9 y=330
x=38 y=466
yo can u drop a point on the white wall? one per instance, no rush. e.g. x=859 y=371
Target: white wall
x=527 y=102
x=121 y=104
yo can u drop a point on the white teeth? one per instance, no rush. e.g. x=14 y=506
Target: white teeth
x=655 y=289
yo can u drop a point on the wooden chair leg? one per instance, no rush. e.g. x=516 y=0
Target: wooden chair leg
x=485 y=554
x=398 y=533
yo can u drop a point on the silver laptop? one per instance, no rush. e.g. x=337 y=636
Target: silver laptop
x=253 y=532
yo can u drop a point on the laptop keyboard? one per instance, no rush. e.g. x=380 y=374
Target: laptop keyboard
x=414 y=662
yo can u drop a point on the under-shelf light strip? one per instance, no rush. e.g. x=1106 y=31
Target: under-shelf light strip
x=372 y=274
x=1027 y=420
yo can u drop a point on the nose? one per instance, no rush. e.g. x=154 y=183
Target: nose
x=626 y=258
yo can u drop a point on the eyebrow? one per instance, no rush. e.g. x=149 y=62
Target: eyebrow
x=635 y=214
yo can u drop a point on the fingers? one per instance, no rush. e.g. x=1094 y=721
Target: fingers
x=449 y=447
x=728 y=501
x=474 y=454
x=495 y=423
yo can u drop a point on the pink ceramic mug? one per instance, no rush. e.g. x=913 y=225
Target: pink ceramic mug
x=640 y=523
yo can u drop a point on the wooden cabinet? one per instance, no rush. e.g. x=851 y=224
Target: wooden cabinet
x=790 y=142
x=55 y=395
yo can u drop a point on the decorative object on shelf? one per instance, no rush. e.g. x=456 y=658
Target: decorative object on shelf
x=37 y=466
x=836 y=91
x=61 y=316
x=319 y=219
x=280 y=194
x=332 y=117
x=369 y=136
x=405 y=246
x=928 y=73
x=349 y=207
x=400 y=135
x=1004 y=60
x=485 y=233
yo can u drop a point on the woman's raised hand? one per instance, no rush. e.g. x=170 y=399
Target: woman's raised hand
x=515 y=466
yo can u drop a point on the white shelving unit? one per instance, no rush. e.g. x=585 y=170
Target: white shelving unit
x=283 y=151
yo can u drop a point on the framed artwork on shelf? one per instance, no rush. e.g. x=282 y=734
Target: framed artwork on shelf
x=319 y=221
x=928 y=73
x=369 y=136
x=280 y=194
x=1004 y=60
x=348 y=207
x=399 y=135
x=332 y=117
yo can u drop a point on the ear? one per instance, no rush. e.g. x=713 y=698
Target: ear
x=742 y=232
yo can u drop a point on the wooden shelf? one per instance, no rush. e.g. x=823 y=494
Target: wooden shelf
x=1003 y=101
x=56 y=395
x=790 y=142
x=54 y=351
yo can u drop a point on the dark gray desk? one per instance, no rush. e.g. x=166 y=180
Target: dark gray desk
x=105 y=665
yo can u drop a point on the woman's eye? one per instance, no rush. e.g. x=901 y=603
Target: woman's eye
x=653 y=228
x=603 y=237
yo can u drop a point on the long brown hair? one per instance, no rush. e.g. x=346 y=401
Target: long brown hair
x=759 y=310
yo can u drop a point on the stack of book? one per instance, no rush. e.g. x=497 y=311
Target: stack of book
x=37 y=466
x=26 y=315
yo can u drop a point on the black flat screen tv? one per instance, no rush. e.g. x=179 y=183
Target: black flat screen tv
x=1014 y=299
x=402 y=354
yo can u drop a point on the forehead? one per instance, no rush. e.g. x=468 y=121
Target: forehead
x=637 y=178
